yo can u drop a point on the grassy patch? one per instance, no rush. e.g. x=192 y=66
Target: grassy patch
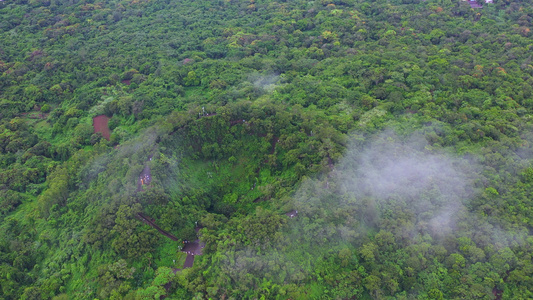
x=168 y=255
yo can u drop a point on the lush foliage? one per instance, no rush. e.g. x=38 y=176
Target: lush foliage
x=245 y=110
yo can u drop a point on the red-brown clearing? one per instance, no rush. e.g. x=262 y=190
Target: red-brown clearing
x=100 y=125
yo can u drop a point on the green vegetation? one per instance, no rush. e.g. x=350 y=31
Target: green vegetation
x=400 y=130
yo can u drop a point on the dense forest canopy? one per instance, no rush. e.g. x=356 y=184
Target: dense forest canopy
x=329 y=149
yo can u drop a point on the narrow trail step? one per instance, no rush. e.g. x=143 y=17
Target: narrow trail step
x=148 y=221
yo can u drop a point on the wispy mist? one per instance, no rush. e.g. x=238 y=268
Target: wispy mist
x=402 y=174
x=127 y=159
x=265 y=82
x=401 y=185
x=388 y=185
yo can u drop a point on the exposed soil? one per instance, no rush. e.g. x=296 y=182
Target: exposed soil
x=100 y=125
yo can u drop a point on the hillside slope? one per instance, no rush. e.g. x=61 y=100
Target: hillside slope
x=317 y=149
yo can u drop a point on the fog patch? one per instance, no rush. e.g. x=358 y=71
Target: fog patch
x=265 y=82
x=403 y=175
x=396 y=184
x=402 y=185
x=127 y=158
x=386 y=182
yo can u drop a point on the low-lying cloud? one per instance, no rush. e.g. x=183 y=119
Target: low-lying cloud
x=405 y=175
x=265 y=82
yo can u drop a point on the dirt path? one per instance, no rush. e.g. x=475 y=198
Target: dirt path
x=144 y=178
x=34 y=115
x=235 y=122
x=274 y=141
x=189 y=261
x=148 y=221
x=497 y=293
x=193 y=248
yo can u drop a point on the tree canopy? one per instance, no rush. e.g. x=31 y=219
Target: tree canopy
x=397 y=133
